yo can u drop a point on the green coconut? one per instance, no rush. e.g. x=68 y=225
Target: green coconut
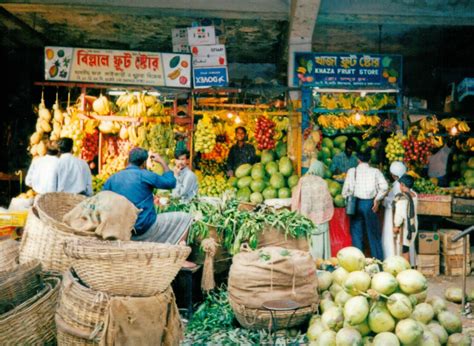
x=324 y=280
x=395 y=265
x=333 y=318
x=315 y=329
x=335 y=289
x=423 y=313
x=438 y=304
x=439 y=331
x=351 y=259
x=357 y=281
x=339 y=276
x=326 y=304
x=384 y=283
x=453 y=294
x=450 y=322
x=356 y=310
x=399 y=306
x=412 y=281
x=386 y=339
x=380 y=319
x=363 y=327
x=341 y=298
x=327 y=338
x=458 y=339
x=348 y=337
x=429 y=339
x=409 y=331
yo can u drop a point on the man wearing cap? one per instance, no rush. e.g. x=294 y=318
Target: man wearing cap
x=405 y=221
x=397 y=169
x=369 y=187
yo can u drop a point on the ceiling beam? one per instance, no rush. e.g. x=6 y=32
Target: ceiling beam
x=303 y=17
x=401 y=12
x=225 y=9
x=18 y=33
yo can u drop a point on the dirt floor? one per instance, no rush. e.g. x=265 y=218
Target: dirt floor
x=439 y=284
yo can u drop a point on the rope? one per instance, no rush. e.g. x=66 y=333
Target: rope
x=209 y=246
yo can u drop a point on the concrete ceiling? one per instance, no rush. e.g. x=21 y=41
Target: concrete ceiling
x=254 y=31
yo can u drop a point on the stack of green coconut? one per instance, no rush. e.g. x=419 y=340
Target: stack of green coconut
x=362 y=305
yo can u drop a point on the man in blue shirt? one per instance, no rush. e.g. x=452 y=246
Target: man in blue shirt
x=342 y=162
x=136 y=183
x=186 y=181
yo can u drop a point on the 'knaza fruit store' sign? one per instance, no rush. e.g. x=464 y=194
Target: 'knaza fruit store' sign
x=348 y=70
x=117 y=67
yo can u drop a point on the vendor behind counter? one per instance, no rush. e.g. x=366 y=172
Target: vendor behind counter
x=241 y=152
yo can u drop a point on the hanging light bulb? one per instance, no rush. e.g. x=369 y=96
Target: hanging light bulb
x=238 y=120
x=363 y=93
x=357 y=116
x=230 y=115
x=454 y=131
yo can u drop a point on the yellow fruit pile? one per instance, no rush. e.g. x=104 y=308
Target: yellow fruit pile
x=205 y=136
x=340 y=122
x=354 y=101
x=449 y=123
x=394 y=150
x=213 y=186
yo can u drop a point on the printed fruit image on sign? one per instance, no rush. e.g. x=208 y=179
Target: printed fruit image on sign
x=49 y=53
x=174 y=62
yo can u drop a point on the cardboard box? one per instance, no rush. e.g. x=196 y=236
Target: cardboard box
x=201 y=35
x=452 y=265
x=428 y=265
x=428 y=243
x=181 y=48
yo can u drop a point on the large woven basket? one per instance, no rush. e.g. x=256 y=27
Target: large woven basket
x=19 y=284
x=42 y=242
x=256 y=319
x=53 y=206
x=80 y=314
x=8 y=254
x=127 y=268
x=32 y=323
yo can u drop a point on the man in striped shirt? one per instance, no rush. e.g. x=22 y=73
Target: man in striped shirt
x=369 y=186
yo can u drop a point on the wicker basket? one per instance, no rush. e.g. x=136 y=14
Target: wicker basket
x=32 y=323
x=53 y=206
x=8 y=254
x=40 y=241
x=80 y=314
x=130 y=268
x=19 y=284
x=256 y=319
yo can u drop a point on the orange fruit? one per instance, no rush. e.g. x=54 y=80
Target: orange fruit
x=49 y=53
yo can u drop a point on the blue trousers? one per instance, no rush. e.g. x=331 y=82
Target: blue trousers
x=367 y=221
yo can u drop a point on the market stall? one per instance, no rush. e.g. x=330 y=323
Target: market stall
x=346 y=96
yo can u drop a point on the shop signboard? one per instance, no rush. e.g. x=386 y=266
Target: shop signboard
x=117 y=67
x=332 y=70
x=200 y=35
x=207 y=77
x=209 y=56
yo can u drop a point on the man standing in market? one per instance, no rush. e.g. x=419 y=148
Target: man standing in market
x=342 y=162
x=42 y=175
x=137 y=184
x=186 y=181
x=74 y=174
x=241 y=152
x=369 y=187
x=438 y=164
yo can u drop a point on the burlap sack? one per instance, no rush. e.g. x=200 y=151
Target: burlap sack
x=143 y=321
x=273 y=273
x=108 y=214
x=273 y=237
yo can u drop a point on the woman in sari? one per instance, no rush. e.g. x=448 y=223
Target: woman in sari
x=312 y=199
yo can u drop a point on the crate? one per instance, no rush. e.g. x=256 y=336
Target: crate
x=434 y=205
x=428 y=243
x=451 y=265
x=450 y=248
x=463 y=206
x=428 y=265
x=13 y=219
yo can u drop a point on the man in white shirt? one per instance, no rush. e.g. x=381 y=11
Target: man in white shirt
x=186 y=181
x=74 y=174
x=369 y=186
x=42 y=175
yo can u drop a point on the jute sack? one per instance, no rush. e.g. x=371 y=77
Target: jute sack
x=272 y=273
x=108 y=214
x=273 y=237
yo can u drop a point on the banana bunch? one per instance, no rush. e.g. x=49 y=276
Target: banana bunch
x=205 y=137
x=345 y=101
x=364 y=103
x=429 y=125
x=301 y=70
x=328 y=101
x=470 y=143
x=282 y=123
x=341 y=122
x=137 y=107
x=467 y=146
x=463 y=126
x=449 y=123
x=437 y=141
